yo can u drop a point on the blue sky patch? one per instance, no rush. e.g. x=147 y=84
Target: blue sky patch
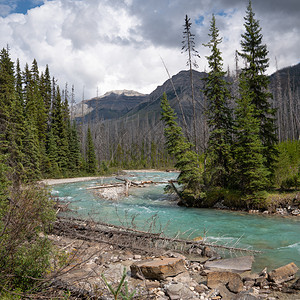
x=18 y=6
x=199 y=21
x=222 y=13
x=25 y=5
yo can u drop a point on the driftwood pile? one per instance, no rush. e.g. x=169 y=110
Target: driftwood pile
x=126 y=184
x=122 y=237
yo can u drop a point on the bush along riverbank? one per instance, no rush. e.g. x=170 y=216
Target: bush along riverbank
x=279 y=203
x=95 y=260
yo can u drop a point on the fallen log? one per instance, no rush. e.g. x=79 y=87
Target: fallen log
x=104 y=186
x=128 y=237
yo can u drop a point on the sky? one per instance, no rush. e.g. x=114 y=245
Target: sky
x=104 y=45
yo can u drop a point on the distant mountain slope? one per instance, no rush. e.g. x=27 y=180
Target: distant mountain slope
x=292 y=72
x=181 y=82
x=132 y=105
x=111 y=105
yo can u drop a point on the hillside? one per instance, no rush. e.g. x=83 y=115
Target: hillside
x=112 y=105
x=132 y=106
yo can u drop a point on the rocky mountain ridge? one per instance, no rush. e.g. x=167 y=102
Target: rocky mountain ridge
x=119 y=103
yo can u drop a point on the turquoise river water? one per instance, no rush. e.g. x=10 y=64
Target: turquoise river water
x=277 y=237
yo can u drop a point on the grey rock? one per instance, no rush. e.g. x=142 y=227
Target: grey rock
x=208 y=252
x=178 y=290
x=239 y=264
x=296 y=285
x=244 y=296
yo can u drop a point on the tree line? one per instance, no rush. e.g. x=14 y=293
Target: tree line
x=241 y=152
x=37 y=137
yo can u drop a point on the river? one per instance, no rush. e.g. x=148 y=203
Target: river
x=277 y=237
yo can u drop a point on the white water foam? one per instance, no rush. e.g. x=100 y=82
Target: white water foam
x=296 y=245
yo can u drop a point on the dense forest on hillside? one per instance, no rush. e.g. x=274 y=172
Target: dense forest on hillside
x=140 y=123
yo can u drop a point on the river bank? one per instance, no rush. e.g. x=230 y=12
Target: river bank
x=148 y=207
x=162 y=272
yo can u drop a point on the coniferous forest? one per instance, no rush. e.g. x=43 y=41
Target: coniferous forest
x=233 y=151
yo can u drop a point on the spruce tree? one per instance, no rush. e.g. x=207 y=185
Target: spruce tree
x=254 y=53
x=250 y=174
x=187 y=160
x=11 y=117
x=59 y=131
x=45 y=87
x=219 y=154
x=41 y=117
x=188 y=45
x=91 y=163
x=7 y=96
x=74 y=149
x=31 y=151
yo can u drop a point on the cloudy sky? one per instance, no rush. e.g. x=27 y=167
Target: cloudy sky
x=118 y=44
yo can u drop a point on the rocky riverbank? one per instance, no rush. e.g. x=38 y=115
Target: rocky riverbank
x=161 y=273
x=286 y=206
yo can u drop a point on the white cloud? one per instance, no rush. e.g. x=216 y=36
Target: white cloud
x=118 y=44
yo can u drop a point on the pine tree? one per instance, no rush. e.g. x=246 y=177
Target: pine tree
x=254 y=52
x=187 y=160
x=11 y=114
x=251 y=175
x=31 y=151
x=52 y=154
x=41 y=117
x=59 y=131
x=91 y=163
x=219 y=154
x=74 y=149
x=188 y=45
x=45 y=87
x=7 y=96
x=30 y=105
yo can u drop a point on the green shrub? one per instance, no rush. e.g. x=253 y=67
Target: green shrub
x=288 y=164
x=25 y=217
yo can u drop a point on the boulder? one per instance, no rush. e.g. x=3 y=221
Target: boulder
x=225 y=293
x=296 y=285
x=238 y=264
x=208 y=252
x=261 y=282
x=217 y=279
x=284 y=273
x=235 y=284
x=158 y=268
x=178 y=290
x=250 y=294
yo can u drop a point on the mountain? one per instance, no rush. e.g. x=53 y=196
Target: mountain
x=131 y=105
x=291 y=73
x=181 y=84
x=112 y=105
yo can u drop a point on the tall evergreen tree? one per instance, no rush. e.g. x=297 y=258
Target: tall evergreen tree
x=251 y=175
x=45 y=87
x=91 y=163
x=187 y=160
x=11 y=117
x=59 y=131
x=219 y=154
x=254 y=52
x=32 y=151
x=7 y=95
x=188 y=45
x=41 y=117
x=74 y=149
